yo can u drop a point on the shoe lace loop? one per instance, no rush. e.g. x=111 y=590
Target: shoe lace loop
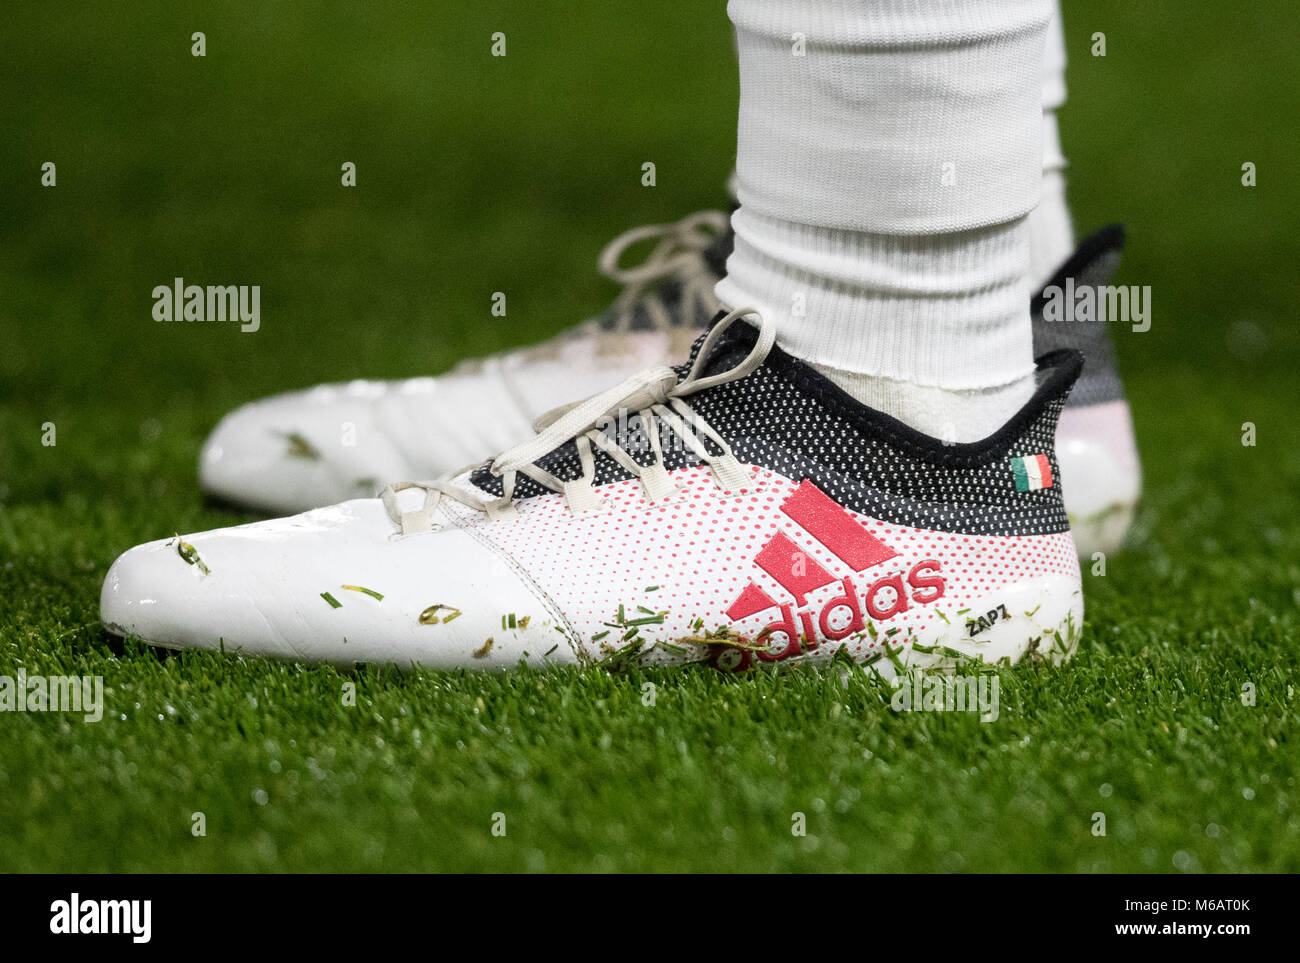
x=678 y=253
x=656 y=394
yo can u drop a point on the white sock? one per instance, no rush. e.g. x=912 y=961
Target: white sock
x=1051 y=232
x=951 y=415
x=884 y=177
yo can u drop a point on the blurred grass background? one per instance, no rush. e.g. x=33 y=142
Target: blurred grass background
x=478 y=174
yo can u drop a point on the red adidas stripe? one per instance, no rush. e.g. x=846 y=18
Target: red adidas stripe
x=752 y=601
x=796 y=570
x=818 y=514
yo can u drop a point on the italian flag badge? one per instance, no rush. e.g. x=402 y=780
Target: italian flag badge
x=1032 y=473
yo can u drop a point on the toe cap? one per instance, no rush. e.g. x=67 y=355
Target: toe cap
x=302 y=450
x=334 y=585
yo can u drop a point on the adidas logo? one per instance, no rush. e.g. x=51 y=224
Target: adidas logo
x=803 y=625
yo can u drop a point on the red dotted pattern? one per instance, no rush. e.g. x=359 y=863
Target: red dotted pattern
x=698 y=547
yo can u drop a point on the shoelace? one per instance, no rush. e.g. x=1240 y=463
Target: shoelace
x=655 y=394
x=678 y=253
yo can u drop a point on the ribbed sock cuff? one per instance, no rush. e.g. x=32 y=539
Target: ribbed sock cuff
x=950 y=311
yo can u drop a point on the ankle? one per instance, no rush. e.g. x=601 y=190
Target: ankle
x=956 y=415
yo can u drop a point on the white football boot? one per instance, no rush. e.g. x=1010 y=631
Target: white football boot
x=738 y=508
x=309 y=448
x=315 y=447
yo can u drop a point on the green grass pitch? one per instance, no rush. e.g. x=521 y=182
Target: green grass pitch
x=478 y=174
